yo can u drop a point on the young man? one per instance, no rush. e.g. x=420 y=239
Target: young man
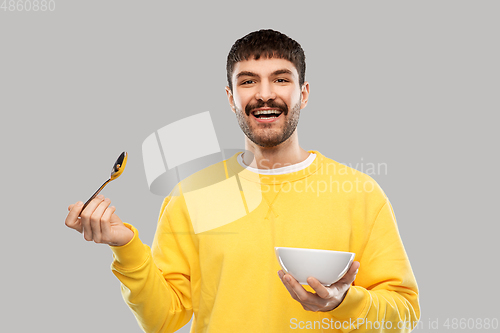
x=220 y=264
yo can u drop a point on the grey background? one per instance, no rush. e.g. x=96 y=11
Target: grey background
x=410 y=84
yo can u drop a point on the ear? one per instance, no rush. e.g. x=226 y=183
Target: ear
x=230 y=99
x=304 y=95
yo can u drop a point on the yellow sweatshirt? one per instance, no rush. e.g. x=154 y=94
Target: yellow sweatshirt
x=213 y=253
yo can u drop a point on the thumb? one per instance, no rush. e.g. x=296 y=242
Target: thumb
x=350 y=276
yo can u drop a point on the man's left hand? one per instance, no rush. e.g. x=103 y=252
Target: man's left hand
x=325 y=298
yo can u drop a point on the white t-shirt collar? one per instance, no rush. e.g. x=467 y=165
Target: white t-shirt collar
x=279 y=171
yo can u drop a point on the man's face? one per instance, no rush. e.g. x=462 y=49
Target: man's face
x=267 y=85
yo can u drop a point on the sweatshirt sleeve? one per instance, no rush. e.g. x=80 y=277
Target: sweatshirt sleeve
x=384 y=296
x=155 y=300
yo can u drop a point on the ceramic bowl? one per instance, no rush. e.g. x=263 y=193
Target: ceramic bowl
x=326 y=266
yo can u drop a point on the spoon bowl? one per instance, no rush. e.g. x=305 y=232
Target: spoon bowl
x=119 y=166
x=117 y=170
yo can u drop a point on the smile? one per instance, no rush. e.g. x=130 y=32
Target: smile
x=267 y=116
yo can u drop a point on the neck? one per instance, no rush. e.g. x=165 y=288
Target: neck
x=287 y=153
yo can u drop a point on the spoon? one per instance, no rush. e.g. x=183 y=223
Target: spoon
x=117 y=170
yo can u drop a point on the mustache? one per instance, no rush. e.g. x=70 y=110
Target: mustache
x=270 y=104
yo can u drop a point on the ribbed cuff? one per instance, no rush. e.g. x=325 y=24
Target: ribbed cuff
x=353 y=304
x=131 y=255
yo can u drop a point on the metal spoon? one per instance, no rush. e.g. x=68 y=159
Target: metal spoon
x=117 y=170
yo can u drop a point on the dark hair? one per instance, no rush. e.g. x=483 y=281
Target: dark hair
x=266 y=44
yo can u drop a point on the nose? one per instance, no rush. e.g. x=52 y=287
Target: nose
x=265 y=92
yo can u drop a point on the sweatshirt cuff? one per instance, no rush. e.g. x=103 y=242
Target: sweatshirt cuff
x=131 y=255
x=353 y=304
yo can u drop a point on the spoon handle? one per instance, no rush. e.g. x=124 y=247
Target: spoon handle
x=95 y=194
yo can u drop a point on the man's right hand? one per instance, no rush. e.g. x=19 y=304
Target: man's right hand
x=98 y=222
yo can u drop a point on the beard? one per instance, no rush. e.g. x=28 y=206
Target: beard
x=269 y=135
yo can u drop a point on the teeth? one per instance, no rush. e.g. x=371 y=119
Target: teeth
x=267 y=112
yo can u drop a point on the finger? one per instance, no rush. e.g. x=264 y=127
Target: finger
x=87 y=213
x=302 y=294
x=95 y=220
x=288 y=287
x=106 y=225
x=72 y=220
x=350 y=276
x=355 y=266
x=320 y=289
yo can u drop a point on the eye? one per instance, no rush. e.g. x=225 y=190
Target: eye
x=281 y=80
x=246 y=82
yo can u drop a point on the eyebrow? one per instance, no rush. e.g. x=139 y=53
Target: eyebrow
x=252 y=74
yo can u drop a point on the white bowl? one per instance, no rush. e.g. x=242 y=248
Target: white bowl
x=326 y=266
